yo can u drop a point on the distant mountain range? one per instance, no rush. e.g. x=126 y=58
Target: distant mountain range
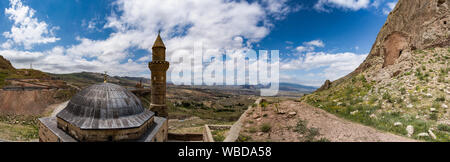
x=296 y=87
x=86 y=78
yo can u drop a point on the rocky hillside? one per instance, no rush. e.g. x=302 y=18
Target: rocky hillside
x=403 y=85
x=5 y=64
x=85 y=79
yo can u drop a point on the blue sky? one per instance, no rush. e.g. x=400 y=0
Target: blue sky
x=317 y=39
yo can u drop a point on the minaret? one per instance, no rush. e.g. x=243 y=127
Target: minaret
x=158 y=68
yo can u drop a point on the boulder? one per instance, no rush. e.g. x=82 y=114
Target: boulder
x=444 y=106
x=423 y=134
x=354 y=112
x=431 y=134
x=409 y=106
x=398 y=124
x=281 y=112
x=410 y=130
x=292 y=114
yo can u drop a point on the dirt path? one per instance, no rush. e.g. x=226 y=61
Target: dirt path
x=58 y=107
x=330 y=127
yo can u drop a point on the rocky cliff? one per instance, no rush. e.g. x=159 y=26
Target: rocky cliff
x=404 y=81
x=5 y=64
x=412 y=25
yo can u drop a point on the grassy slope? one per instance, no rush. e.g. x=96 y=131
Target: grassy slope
x=381 y=105
x=19 y=128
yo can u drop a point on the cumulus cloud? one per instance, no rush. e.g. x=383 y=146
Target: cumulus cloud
x=389 y=7
x=217 y=24
x=324 y=5
x=310 y=46
x=336 y=64
x=26 y=30
x=317 y=43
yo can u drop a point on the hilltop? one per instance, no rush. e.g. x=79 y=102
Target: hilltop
x=403 y=85
x=7 y=71
x=84 y=79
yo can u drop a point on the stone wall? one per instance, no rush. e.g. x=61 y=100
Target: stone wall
x=46 y=135
x=162 y=134
x=104 y=135
x=185 y=137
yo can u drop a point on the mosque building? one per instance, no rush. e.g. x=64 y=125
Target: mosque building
x=109 y=112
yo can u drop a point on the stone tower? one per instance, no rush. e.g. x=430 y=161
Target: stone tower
x=158 y=68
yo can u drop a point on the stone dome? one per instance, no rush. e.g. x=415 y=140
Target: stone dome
x=105 y=106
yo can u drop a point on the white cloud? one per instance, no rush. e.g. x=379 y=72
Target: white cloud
x=317 y=43
x=217 y=24
x=26 y=29
x=336 y=65
x=344 y=4
x=278 y=8
x=389 y=7
x=301 y=49
x=310 y=46
x=376 y=3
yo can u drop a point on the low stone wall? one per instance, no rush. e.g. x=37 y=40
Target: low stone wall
x=207 y=135
x=185 y=137
x=233 y=134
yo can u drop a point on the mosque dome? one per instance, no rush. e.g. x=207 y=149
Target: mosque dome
x=105 y=106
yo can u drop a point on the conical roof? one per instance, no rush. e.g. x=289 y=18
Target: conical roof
x=158 y=42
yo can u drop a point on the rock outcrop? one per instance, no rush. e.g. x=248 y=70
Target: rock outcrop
x=412 y=25
x=5 y=64
x=325 y=86
x=404 y=78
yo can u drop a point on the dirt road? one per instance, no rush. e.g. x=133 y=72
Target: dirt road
x=330 y=127
x=58 y=107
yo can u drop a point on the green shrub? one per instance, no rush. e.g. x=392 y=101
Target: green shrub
x=388 y=97
x=265 y=127
x=373 y=99
x=301 y=127
x=243 y=138
x=443 y=127
x=434 y=116
x=413 y=98
x=252 y=130
x=402 y=91
x=440 y=98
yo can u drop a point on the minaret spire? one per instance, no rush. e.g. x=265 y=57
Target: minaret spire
x=105 y=77
x=158 y=41
x=158 y=68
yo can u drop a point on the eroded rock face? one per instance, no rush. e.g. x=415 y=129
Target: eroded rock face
x=412 y=25
x=393 y=47
x=325 y=86
x=5 y=64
